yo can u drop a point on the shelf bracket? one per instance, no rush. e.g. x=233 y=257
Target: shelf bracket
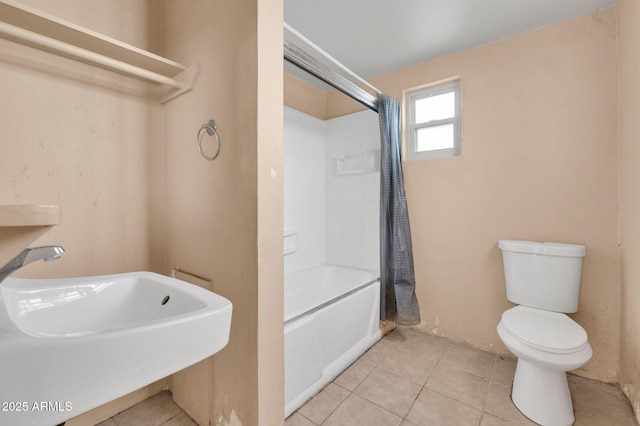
x=187 y=78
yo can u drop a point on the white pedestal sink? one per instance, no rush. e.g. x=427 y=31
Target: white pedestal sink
x=70 y=345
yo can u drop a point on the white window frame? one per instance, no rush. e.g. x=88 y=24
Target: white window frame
x=413 y=95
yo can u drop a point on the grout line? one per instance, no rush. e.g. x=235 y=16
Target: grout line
x=456 y=400
x=178 y=414
x=305 y=417
x=380 y=407
x=490 y=382
x=493 y=369
x=339 y=405
x=396 y=375
x=481 y=418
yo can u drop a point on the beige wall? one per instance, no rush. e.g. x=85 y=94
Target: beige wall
x=539 y=162
x=224 y=218
x=134 y=191
x=628 y=14
x=80 y=137
x=84 y=139
x=304 y=97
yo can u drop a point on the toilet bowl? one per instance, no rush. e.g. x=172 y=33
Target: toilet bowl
x=544 y=280
x=547 y=344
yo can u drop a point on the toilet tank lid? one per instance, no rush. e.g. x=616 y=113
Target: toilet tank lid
x=546 y=248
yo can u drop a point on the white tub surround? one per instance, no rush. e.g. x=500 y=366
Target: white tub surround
x=318 y=303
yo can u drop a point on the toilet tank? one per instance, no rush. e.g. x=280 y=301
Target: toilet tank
x=543 y=275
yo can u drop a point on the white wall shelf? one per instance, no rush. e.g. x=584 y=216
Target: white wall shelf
x=30 y=27
x=29 y=215
x=21 y=224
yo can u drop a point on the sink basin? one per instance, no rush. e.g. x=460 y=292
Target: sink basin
x=96 y=305
x=70 y=345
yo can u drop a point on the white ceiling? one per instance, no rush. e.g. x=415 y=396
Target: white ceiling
x=374 y=37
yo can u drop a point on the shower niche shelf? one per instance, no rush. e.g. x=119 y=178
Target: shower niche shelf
x=357 y=163
x=30 y=27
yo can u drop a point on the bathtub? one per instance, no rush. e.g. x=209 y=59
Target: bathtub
x=330 y=319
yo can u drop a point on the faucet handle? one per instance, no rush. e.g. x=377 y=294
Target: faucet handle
x=46 y=253
x=30 y=255
x=56 y=252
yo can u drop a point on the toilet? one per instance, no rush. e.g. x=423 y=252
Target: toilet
x=543 y=279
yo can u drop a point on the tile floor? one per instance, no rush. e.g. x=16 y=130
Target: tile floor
x=411 y=378
x=159 y=410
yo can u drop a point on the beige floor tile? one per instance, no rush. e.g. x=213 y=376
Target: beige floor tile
x=459 y=385
x=298 y=420
x=409 y=366
x=358 y=411
x=418 y=343
x=586 y=420
x=489 y=420
x=324 y=403
x=378 y=352
x=389 y=375
x=180 y=420
x=355 y=374
x=151 y=412
x=108 y=422
x=499 y=404
x=592 y=384
x=390 y=392
x=471 y=360
x=432 y=408
x=503 y=371
x=607 y=407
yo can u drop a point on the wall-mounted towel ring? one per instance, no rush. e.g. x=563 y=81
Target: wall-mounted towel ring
x=211 y=129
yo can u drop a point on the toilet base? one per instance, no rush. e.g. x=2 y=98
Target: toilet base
x=542 y=395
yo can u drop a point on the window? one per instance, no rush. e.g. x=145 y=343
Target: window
x=433 y=121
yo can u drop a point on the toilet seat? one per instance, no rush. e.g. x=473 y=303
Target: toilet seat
x=546 y=331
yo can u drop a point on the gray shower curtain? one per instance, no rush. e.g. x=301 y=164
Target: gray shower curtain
x=398 y=300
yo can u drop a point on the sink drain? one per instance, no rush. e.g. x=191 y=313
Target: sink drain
x=165 y=300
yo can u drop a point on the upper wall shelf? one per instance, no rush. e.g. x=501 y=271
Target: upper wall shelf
x=29 y=215
x=30 y=27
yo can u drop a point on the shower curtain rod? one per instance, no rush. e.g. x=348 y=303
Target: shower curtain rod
x=302 y=59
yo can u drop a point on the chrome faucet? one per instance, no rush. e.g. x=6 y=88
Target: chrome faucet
x=30 y=255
